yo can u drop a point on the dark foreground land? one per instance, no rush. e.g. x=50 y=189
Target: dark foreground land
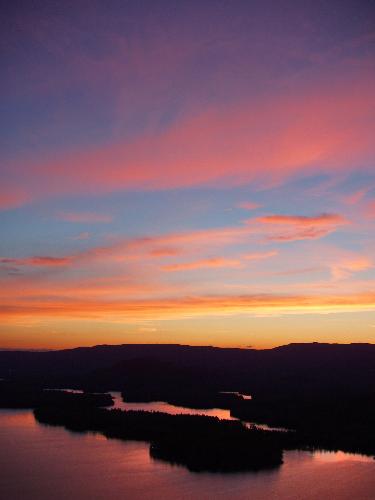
x=197 y=442
x=325 y=393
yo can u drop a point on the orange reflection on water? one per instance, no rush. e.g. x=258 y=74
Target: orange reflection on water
x=340 y=456
x=18 y=418
x=168 y=408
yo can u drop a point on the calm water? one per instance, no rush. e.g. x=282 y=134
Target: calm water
x=175 y=410
x=164 y=407
x=168 y=408
x=41 y=462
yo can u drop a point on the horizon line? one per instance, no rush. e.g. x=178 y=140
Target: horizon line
x=243 y=348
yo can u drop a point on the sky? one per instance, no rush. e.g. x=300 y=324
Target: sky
x=187 y=172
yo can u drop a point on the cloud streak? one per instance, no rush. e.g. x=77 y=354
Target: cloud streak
x=223 y=145
x=345 y=268
x=299 y=227
x=183 y=307
x=38 y=261
x=248 y=205
x=260 y=255
x=84 y=217
x=168 y=245
x=213 y=262
x=304 y=220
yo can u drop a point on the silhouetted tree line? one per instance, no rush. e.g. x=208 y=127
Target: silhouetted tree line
x=23 y=395
x=197 y=442
x=335 y=422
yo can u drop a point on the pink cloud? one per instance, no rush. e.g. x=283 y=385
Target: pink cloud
x=12 y=198
x=260 y=255
x=356 y=197
x=344 y=268
x=371 y=209
x=300 y=227
x=304 y=234
x=157 y=246
x=37 y=261
x=172 y=244
x=323 y=127
x=84 y=217
x=164 y=251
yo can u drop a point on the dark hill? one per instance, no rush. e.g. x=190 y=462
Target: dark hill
x=288 y=370
x=324 y=391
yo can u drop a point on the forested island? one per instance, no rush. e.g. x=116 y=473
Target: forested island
x=200 y=443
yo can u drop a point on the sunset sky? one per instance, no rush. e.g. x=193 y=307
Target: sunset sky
x=187 y=172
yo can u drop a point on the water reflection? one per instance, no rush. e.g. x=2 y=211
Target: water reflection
x=178 y=410
x=168 y=408
x=43 y=462
x=340 y=456
x=18 y=418
x=164 y=407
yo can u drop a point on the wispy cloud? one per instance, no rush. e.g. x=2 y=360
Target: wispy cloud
x=225 y=145
x=38 y=261
x=203 y=263
x=12 y=198
x=164 y=251
x=301 y=227
x=304 y=220
x=219 y=262
x=248 y=205
x=182 y=307
x=355 y=197
x=167 y=245
x=370 y=209
x=343 y=269
x=260 y=255
x=84 y=217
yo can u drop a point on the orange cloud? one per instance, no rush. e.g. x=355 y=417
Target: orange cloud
x=303 y=220
x=121 y=285
x=164 y=251
x=200 y=237
x=248 y=205
x=199 y=264
x=169 y=308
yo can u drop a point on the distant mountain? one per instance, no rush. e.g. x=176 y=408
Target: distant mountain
x=286 y=370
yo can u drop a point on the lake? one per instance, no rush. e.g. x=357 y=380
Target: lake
x=42 y=462
x=164 y=407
